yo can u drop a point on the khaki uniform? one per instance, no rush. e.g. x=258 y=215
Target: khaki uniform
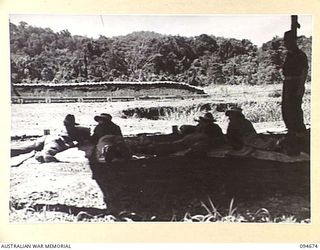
x=109 y=128
x=49 y=145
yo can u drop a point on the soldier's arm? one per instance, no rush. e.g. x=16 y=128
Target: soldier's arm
x=303 y=62
x=95 y=137
x=302 y=79
x=119 y=131
x=253 y=130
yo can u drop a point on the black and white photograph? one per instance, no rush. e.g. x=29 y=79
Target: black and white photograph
x=160 y=118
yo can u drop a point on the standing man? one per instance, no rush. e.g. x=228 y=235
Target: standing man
x=295 y=70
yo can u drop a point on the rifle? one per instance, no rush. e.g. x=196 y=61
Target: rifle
x=17 y=161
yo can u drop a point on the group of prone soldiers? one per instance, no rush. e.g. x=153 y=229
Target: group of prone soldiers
x=110 y=145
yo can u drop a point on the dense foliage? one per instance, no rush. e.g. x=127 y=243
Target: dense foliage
x=41 y=55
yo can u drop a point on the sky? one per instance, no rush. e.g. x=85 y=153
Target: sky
x=257 y=28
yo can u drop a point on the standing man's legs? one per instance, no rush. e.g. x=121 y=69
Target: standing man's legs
x=292 y=113
x=298 y=122
x=286 y=109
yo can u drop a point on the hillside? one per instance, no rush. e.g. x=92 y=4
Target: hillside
x=40 y=55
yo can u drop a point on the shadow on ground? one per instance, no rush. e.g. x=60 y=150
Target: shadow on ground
x=171 y=186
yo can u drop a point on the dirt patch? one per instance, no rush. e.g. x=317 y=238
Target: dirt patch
x=69 y=183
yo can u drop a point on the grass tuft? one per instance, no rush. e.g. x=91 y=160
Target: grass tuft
x=210 y=214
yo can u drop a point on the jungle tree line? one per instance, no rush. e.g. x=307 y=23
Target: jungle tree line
x=41 y=55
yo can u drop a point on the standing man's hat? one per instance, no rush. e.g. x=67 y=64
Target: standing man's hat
x=234 y=110
x=208 y=117
x=289 y=35
x=103 y=116
x=69 y=120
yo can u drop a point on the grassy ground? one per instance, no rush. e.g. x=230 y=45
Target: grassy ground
x=209 y=213
x=261 y=104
